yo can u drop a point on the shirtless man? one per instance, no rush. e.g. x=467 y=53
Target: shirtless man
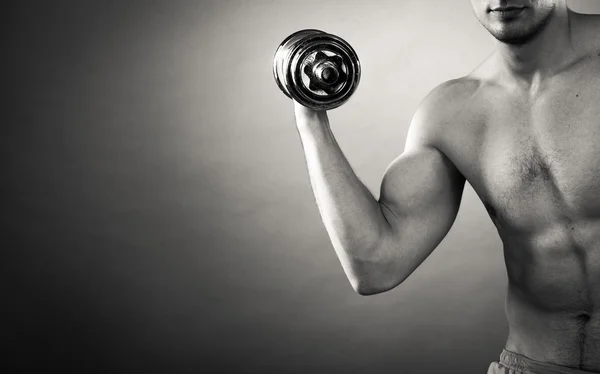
x=524 y=129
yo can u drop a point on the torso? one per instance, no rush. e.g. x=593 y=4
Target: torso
x=534 y=160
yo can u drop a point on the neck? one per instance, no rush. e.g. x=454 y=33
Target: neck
x=541 y=56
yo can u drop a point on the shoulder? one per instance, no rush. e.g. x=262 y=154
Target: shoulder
x=445 y=107
x=449 y=96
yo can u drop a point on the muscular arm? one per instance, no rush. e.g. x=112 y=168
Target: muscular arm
x=380 y=243
x=420 y=193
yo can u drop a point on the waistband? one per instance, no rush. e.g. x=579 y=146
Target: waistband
x=521 y=363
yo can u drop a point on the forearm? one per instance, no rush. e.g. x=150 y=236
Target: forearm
x=351 y=215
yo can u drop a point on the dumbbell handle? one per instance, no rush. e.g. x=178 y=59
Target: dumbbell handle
x=326 y=72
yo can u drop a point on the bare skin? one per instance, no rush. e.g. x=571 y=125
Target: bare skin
x=524 y=130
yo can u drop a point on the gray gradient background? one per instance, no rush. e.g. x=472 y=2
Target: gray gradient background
x=158 y=216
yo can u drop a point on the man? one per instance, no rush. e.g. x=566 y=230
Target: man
x=524 y=129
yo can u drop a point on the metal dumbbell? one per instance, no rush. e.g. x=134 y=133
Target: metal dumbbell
x=318 y=70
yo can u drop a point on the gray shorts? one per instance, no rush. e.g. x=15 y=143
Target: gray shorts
x=513 y=363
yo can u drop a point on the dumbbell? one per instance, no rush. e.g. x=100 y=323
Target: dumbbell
x=318 y=70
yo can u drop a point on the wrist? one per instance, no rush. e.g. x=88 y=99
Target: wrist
x=310 y=120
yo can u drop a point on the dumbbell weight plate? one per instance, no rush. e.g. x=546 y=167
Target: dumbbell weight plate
x=282 y=55
x=319 y=70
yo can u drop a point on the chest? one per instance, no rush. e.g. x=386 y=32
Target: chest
x=534 y=161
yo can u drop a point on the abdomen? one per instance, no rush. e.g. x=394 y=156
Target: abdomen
x=553 y=300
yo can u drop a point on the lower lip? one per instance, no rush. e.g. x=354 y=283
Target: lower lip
x=508 y=14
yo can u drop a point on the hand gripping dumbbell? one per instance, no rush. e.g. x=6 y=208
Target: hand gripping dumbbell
x=318 y=70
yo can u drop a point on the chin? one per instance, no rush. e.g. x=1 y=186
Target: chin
x=520 y=30
x=514 y=38
x=513 y=33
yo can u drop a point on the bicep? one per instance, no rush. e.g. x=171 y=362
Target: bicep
x=420 y=197
x=422 y=189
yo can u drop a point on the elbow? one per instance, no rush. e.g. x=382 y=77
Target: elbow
x=375 y=275
x=365 y=287
x=364 y=290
